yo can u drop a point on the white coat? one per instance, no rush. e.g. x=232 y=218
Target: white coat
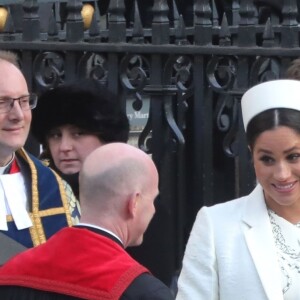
x=231 y=253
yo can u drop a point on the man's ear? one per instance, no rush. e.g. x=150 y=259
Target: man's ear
x=133 y=201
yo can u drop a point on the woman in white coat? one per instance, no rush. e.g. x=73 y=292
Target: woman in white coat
x=249 y=248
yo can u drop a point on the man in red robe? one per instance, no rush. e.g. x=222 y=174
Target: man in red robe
x=118 y=186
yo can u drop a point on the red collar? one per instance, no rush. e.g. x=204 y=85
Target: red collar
x=14 y=168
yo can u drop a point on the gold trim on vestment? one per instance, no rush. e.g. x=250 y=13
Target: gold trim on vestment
x=42 y=213
x=36 y=231
x=64 y=199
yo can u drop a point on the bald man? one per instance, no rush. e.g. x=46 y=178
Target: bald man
x=118 y=186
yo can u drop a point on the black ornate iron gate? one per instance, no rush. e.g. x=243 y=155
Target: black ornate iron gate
x=191 y=60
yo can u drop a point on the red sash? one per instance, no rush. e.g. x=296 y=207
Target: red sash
x=75 y=262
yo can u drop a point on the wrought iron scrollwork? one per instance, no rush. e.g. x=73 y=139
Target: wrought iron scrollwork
x=222 y=118
x=134 y=72
x=227 y=120
x=145 y=138
x=94 y=65
x=230 y=139
x=221 y=73
x=134 y=75
x=182 y=69
x=264 y=69
x=178 y=72
x=48 y=69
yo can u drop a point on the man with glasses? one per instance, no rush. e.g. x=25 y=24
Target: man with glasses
x=34 y=202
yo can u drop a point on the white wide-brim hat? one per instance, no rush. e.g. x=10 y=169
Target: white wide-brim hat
x=281 y=93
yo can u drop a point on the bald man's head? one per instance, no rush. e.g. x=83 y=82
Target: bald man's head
x=116 y=181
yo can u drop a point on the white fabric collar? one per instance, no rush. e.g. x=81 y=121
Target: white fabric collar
x=3 y=168
x=101 y=228
x=13 y=201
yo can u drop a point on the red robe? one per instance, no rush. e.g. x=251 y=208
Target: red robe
x=76 y=262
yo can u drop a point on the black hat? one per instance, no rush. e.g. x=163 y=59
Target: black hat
x=85 y=103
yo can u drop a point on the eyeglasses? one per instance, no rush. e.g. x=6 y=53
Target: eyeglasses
x=26 y=102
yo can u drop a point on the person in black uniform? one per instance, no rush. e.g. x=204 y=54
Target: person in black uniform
x=73 y=119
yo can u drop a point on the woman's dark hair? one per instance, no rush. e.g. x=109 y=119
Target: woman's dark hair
x=270 y=119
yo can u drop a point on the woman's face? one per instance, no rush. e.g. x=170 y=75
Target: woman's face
x=276 y=157
x=69 y=146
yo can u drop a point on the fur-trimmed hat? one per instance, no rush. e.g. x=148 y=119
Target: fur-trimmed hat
x=280 y=93
x=85 y=103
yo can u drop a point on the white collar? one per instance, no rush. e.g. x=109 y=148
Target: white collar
x=101 y=228
x=2 y=169
x=13 y=201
